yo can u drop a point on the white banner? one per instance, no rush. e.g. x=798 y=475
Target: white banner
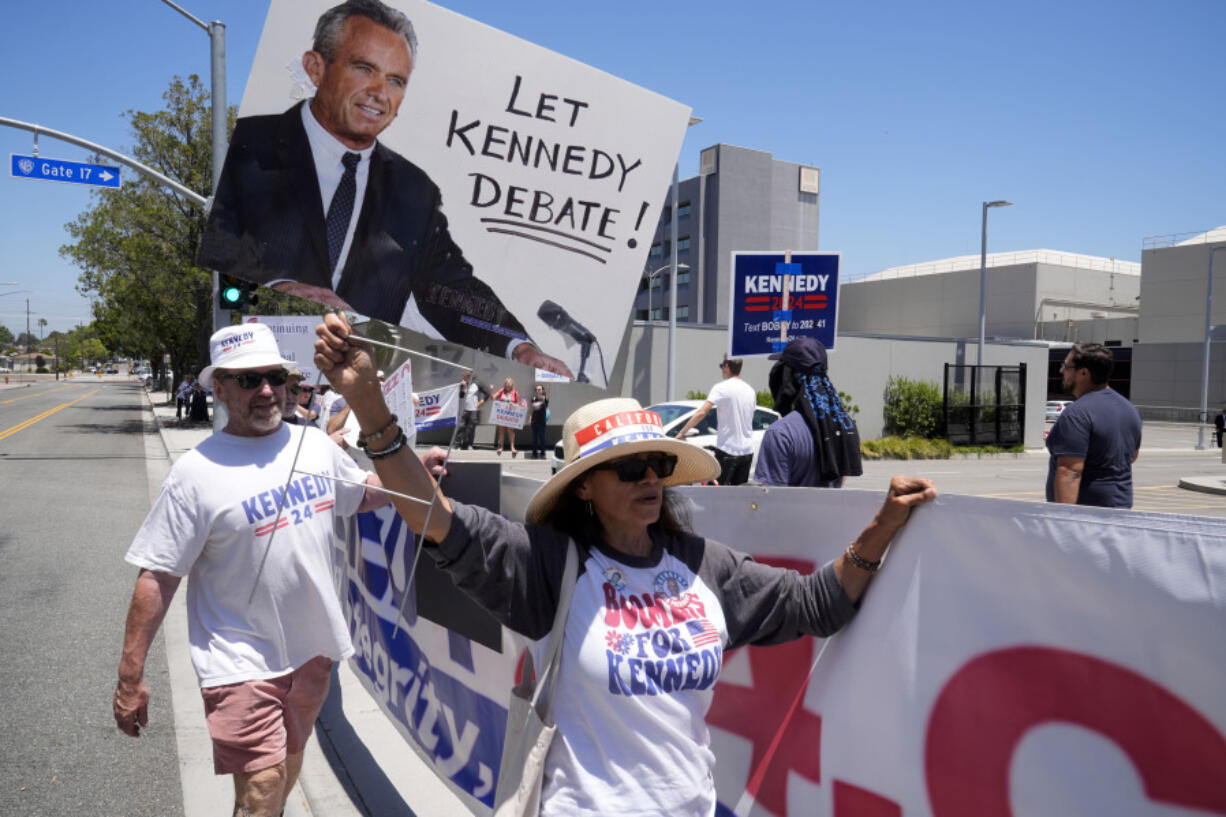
x=552 y=176
x=506 y=413
x=295 y=336
x=437 y=408
x=1011 y=658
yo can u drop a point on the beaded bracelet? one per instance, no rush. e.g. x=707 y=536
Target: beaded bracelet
x=363 y=439
x=860 y=562
x=396 y=445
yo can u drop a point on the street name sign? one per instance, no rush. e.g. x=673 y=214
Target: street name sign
x=62 y=170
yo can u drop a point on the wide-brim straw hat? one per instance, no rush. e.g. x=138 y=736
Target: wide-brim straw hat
x=609 y=430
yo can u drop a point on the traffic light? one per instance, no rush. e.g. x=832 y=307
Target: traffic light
x=235 y=293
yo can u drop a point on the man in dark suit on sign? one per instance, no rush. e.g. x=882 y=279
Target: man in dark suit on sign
x=311 y=203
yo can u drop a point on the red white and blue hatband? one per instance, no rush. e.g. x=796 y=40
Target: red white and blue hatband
x=609 y=430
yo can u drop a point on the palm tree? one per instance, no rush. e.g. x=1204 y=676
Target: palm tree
x=42 y=324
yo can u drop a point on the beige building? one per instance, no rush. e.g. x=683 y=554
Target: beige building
x=1168 y=362
x=1034 y=295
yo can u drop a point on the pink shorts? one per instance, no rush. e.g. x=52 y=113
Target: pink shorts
x=255 y=724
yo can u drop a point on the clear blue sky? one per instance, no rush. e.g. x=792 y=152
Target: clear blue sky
x=1103 y=120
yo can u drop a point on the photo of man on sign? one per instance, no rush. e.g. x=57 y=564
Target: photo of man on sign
x=508 y=210
x=378 y=242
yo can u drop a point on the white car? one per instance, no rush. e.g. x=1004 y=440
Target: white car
x=1054 y=407
x=674 y=414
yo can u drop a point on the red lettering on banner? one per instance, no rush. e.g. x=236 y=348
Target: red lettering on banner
x=993 y=700
x=853 y=801
x=786 y=737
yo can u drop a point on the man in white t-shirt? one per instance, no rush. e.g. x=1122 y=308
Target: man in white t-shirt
x=734 y=401
x=253 y=532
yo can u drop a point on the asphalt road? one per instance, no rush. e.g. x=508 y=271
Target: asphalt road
x=1167 y=454
x=73 y=467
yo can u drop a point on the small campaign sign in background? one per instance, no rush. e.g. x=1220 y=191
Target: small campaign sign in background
x=506 y=413
x=756 y=314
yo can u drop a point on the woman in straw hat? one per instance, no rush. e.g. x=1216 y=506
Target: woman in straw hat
x=654 y=607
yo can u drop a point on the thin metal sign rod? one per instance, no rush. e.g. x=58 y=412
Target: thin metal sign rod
x=373 y=342
x=293 y=469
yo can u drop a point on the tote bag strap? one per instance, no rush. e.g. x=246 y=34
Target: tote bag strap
x=542 y=697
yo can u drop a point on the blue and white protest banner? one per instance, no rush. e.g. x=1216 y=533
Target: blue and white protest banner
x=1010 y=658
x=506 y=413
x=757 y=313
x=437 y=408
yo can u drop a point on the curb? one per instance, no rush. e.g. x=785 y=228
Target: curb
x=1205 y=485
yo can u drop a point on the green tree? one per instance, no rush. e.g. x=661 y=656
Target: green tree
x=136 y=245
x=6 y=336
x=42 y=325
x=92 y=350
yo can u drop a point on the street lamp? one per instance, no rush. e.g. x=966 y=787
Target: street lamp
x=217 y=64
x=671 y=382
x=983 y=273
x=1204 y=382
x=651 y=276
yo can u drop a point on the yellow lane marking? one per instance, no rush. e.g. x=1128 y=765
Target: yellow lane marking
x=8 y=432
x=39 y=394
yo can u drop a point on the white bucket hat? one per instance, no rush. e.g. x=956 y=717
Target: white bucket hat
x=246 y=346
x=609 y=430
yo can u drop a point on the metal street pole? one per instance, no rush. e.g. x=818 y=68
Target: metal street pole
x=670 y=391
x=672 y=289
x=217 y=53
x=983 y=274
x=1204 y=381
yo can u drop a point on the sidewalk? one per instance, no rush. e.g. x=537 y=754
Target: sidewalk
x=357 y=766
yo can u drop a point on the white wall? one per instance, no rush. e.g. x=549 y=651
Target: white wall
x=946 y=304
x=859 y=367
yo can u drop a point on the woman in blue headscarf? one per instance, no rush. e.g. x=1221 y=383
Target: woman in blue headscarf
x=816 y=443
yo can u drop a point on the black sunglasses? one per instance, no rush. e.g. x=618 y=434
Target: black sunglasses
x=252 y=380
x=633 y=470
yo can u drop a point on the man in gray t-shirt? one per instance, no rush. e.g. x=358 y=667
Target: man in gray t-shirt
x=1096 y=439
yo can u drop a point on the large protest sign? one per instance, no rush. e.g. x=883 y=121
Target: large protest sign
x=756 y=312
x=1011 y=658
x=514 y=197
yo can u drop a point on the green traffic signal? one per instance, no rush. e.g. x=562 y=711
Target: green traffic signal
x=235 y=293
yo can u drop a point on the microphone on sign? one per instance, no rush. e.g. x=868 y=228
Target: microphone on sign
x=558 y=318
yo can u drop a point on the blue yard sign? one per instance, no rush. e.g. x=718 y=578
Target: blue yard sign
x=61 y=170
x=756 y=315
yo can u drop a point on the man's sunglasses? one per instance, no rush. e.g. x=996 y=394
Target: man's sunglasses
x=633 y=470
x=252 y=380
